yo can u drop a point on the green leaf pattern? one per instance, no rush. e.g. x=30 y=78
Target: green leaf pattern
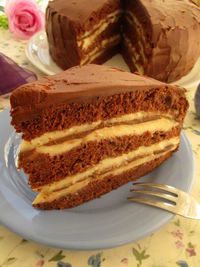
x=10 y=261
x=58 y=256
x=140 y=255
x=1 y=9
x=3 y=21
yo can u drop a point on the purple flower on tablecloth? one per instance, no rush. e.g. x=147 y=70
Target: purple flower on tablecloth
x=178 y=234
x=63 y=264
x=95 y=260
x=179 y=244
x=182 y=263
x=40 y=263
x=125 y=261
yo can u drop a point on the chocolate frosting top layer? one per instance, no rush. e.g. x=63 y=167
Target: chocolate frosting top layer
x=80 y=84
x=80 y=11
x=175 y=37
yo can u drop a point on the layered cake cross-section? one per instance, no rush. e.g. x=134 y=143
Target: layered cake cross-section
x=91 y=129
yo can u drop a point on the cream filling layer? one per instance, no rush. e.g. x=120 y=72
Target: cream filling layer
x=135 y=55
x=100 y=49
x=133 y=20
x=108 y=163
x=55 y=135
x=132 y=48
x=137 y=23
x=162 y=124
x=72 y=184
x=88 y=38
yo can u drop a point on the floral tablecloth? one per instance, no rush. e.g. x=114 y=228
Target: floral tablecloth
x=176 y=244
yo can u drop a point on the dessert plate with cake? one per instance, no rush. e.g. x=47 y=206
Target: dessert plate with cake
x=79 y=135
x=160 y=39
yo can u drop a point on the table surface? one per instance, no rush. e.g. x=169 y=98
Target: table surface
x=176 y=244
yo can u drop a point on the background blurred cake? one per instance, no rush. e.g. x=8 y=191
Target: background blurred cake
x=158 y=38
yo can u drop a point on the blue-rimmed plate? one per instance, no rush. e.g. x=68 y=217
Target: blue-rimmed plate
x=103 y=223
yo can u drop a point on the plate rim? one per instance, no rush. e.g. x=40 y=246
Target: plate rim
x=87 y=245
x=30 y=57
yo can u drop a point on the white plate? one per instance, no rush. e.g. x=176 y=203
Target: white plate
x=106 y=222
x=37 y=51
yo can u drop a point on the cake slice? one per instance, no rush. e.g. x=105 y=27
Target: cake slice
x=91 y=129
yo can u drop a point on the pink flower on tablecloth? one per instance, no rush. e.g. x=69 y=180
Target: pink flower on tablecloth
x=191 y=251
x=125 y=261
x=40 y=263
x=24 y=17
x=179 y=244
x=178 y=234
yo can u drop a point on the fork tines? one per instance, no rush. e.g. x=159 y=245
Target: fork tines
x=166 y=197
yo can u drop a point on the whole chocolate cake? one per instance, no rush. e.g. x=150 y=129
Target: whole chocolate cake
x=91 y=129
x=158 y=38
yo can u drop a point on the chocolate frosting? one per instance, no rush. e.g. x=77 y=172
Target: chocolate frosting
x=175 y=38
x=79 y=84
x=80 y=11
x=174 y=32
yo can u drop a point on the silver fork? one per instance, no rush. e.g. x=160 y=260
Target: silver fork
x=168 y=198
